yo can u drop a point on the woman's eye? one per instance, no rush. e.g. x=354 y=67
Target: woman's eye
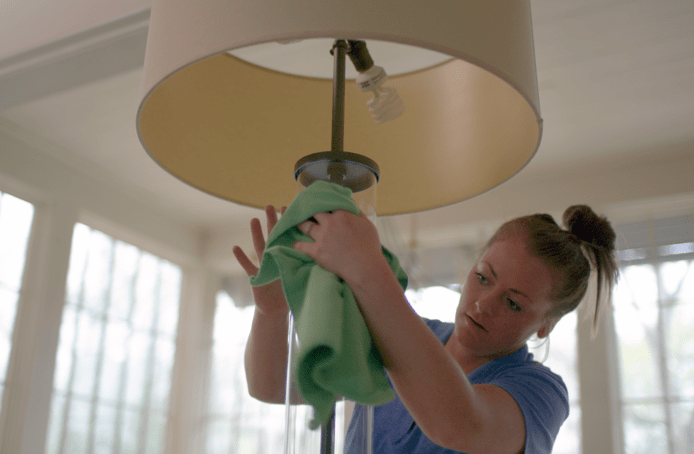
x=514 y=306
x=481 y=278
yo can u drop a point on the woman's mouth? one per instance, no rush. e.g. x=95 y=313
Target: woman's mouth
x=477 y=324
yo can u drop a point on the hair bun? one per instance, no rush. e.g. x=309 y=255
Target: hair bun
x=583 y=222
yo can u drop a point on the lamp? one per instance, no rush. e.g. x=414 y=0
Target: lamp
x=235 y=124
x=232 y=104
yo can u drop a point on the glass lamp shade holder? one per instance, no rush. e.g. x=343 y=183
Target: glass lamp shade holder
x=360 y=174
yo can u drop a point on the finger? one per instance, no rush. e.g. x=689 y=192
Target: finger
x=322 y=216
x=258 y=238
x=244 y=261
x=305 y=227
x=305 y=247
x=271 y=215
x=282 y=210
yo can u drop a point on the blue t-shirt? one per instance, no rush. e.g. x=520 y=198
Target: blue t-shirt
x=540 y=394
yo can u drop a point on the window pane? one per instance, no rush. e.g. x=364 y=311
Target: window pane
x=218 y=435
x=569 y=438
x=168 y=299
x=672 y=275
x=113 y=368
x=562 y=359
x=644 y=429
x=97 y=274
x=680 y=345
x=636 y=316
x=8 y=309
x=63 y=361
x=683 y=418
x=437 y=303
x=161 y=381
x=104 y=429
x=78 y=261
x=77 y=426
x=138 y=360
x=156 y=426
x=15 y=225
x=237 y=423
x=686 y=294
x=130 y=435
x=654 y=313
x=113 y=361
x=55 y=426
x=124 y=274
x=86 y=350
x=143 y=317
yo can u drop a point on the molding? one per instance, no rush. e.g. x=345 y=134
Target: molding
x=87 y=56
x=103 y=201
x=652 y=208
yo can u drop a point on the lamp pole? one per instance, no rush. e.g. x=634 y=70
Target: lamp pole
x=339 y=50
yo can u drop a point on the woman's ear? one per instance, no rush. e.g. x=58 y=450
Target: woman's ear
x=547 y=327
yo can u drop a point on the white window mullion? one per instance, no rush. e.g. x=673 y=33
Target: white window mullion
x=103 y=321
x=121 y=405
x=37 y=329
x=186 y=431
x=599 y=387
x=149 y=376
x=663 y=370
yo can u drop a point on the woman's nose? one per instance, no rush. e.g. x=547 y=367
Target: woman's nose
x=484 y=304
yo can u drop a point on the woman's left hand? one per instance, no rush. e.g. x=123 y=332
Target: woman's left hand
x=344 y=244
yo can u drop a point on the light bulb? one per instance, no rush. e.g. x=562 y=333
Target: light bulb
x=386 y=104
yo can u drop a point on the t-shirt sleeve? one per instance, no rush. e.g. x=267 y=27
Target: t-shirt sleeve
x=442 y=330
x=543 y=400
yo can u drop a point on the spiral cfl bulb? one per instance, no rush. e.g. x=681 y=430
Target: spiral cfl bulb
x=386 y=104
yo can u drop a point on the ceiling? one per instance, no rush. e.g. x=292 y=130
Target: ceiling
x=616 y=80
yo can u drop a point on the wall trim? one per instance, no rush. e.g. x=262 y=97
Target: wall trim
x=102 y=51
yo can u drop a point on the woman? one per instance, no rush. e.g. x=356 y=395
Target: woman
x=469 y=387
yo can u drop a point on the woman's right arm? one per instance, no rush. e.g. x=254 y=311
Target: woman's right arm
x=266 y=350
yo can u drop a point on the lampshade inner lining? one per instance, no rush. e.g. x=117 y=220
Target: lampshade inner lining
x=311 y=58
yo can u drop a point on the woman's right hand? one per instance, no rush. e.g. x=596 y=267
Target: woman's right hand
x=269 y=299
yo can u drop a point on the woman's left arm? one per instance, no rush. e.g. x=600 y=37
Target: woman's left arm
x=448 y=409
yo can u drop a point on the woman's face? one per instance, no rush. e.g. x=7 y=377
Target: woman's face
x=504 y=301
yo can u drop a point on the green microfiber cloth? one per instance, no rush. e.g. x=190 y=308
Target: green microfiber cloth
x=336 y=355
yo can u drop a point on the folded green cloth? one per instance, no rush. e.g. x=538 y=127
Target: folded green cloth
x=336 y=355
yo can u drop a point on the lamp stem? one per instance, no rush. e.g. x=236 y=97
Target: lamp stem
x=338 y=133
x=327 y=439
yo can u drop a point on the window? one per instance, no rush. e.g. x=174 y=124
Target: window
x=654 y=315
x=237 y=423
x=15 y=224
x=440 y=303
x=562 y=359
x=116 y=349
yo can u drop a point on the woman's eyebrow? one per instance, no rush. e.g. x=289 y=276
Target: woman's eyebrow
x=491 y=269
x=513 y=290
x=518 y=292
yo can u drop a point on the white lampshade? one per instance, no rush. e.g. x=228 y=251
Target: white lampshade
x=232 y=127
